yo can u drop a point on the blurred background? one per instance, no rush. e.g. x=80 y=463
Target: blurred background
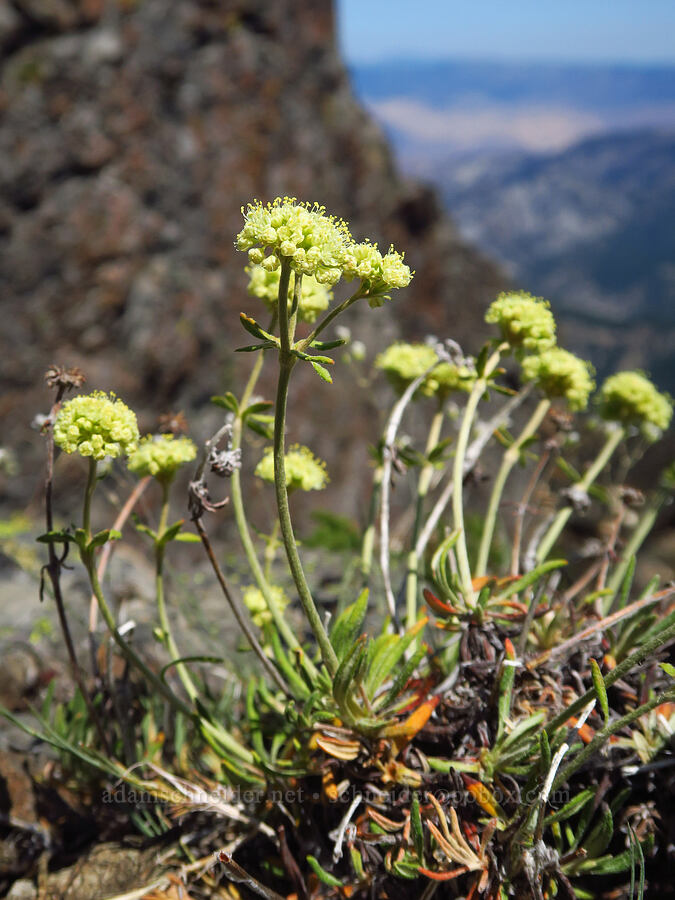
x=521 y=144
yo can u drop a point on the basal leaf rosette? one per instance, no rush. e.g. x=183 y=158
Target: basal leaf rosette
x=255 y=603
x=559 y=373
x=314 y=296
x=526 y=322
x=631 y=399
x=403 y=363
x=379 y=274
x=313 y=242
x=304 y=471
x=161 y=455
x=96 y=425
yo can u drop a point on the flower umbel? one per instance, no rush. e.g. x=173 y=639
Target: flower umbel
x=255 y=603
x=161 y=455
x=561 y=374
x=526 y=322
x=378 y=273
x=631 y=399
x=314 y=242
x=96 y=425
x=314 y=297
x=303 y=469
x=404 y=362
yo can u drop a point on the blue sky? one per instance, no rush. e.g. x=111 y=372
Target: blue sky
x=627 y=31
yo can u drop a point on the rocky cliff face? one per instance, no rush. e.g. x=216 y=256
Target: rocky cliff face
x=132 y=131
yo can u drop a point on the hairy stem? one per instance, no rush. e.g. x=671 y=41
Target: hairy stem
x=510 y=458
x=614 y=438
x=286 y=362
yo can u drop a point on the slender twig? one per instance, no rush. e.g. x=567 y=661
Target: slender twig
x=614 y=438
x=388 y=453
x=236 y=874
x=485 y=433
x=637 y=538
x=238 y=611
x=368 y=543
x=510 y=458
x=607 y=622
x=461 y=552
x=523 y=507
x=108 y=548
x=164 y=621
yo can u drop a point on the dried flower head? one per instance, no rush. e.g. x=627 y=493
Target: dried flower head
x=255 y=603
x=96 y=425
x=314 y=297
x=403 y=363
x=303 y=469
x=526 y=322
x=379 y=274
x=173 y=423
x=61 y=377
x=161 y=455
x=303 y=233
x=631 y=399
x=561 y=374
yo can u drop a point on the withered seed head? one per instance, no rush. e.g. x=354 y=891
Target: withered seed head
x=61 y=377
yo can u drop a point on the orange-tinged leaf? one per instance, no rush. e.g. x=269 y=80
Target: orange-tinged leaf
x=439 y=606
x=414 y=723
x=344 y=750
x=444 y=876
x=482 y=795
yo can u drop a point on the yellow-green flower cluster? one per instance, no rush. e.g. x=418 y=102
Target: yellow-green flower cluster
x=631 y=399
x=561 y=374
x=314 y=297
x=96 y=425
x=256 y=605
x=303 y=469
x=526 y=322
x=161 y=455
x=378 y=273
x=318 y=245
x=403 y=363
x=314 y=242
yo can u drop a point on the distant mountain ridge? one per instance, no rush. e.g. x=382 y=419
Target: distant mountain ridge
x=446 y=82
x=588 y=224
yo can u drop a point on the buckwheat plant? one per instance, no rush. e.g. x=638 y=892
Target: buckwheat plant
x=471 y=733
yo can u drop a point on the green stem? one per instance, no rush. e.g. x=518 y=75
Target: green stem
x=164 y=622
x=368 y=543
x=327 y=319
x=241 y=521
x=614 y=438
x=637 y=538
x=458 y=475
x=422 y=491
x=510 y=458
x=286 y=362
x=88 y=494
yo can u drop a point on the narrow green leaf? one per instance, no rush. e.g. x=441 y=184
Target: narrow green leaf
x=600 y=689
x=344 y=677
x=322 y=373
x=416 y=827
x=668 y=669
x=571 y=807
x=403 y=677
x=387 y=654
x=251 y=348
x=226 y=401
x=254 y=329
x=598 y=840
x=627 y=583
x=187 y=537
x=323 y=876
x=348 y=625
x=102 y=538
x=56 y=537
x=256 y=408
x=519 y=586
x=328 y=345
